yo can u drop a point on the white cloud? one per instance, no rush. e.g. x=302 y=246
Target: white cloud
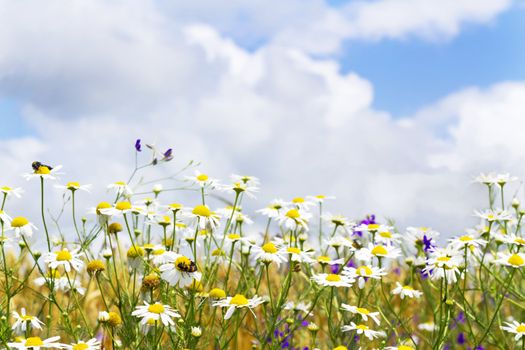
x=96 y=75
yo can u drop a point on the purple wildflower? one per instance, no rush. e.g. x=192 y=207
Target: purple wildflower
x=138 y=146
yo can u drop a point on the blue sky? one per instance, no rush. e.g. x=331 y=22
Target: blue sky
x=409 y=74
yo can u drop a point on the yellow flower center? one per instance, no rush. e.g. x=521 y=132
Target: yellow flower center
x=234 y=236
x=293 y=214
x=135 y=252
x=333 y=278
x=19 y=222
x=465 y=238
x=323 y=259
x=293 y=250
x=408 y=288
x=362 y=310
x=175 y=206
x=63 y=255
x=43 y=170
x=156 y=308
x=73 y=185
x=202 y=210
x=53 y=273
x=269 y=248
x=385 y=234
x=123 y=206
x=404 y=347
x=519 y=240
x=202 y=177
x=364 y=271
x=379 y=250
x=239 y=299
x=443 y=258
x=373 y=227
x=80 y=346
x=516 y=260
x=218 y=252
x=217 y=293
x=5 y=189
x=520 y=328
x=103 y=205
x=341 y=347
x=34 y=341
x=320 y=196
x=298 y=200
x=158 y=251
x=26 y=317
x=362 y=327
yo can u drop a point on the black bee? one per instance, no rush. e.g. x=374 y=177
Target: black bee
x=191 y=267
x=36 y=165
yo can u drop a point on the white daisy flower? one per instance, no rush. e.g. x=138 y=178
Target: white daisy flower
x=299 y=255
x=486 y=179
x=156 y=312
x=180 y=270
x=300 y=203
x=269 y=253
x=377 y=251
x=201 y=179
x=121 y=188
x=416 y=235
x=74 y=186
x=372 y=228
x=247 y=179
x=205 y=218
x=36 y=343
x=326 y=260
x=4 y=218
x=122 y=208
x=293 y=218
x=337 y=221
x=239 y=187
x=159 y=255
x=514 y=240
x=387 y=237
x=406 y=291
x=9 y=191
x=364 y=330
x=510 y=259
x=338 y=241
x=300 y=306
x=274 y=209
x=91 y=344
x=333 y=280
x=68 y=259
x=364 y=272
x=320 y=198
x=45 y=172
x=494 y=215
x=196 y=331
x=22 y=320
x=427 y=326
x=238 y=301
x=469 y=240
x=515 y=327
x=22 y=227
x=363 y=312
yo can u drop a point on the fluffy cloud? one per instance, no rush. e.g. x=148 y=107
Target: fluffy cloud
x=93 y=76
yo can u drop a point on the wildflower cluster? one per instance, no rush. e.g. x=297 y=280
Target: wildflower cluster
x=145 y=271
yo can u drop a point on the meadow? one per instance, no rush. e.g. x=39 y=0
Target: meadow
x=145 y=271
